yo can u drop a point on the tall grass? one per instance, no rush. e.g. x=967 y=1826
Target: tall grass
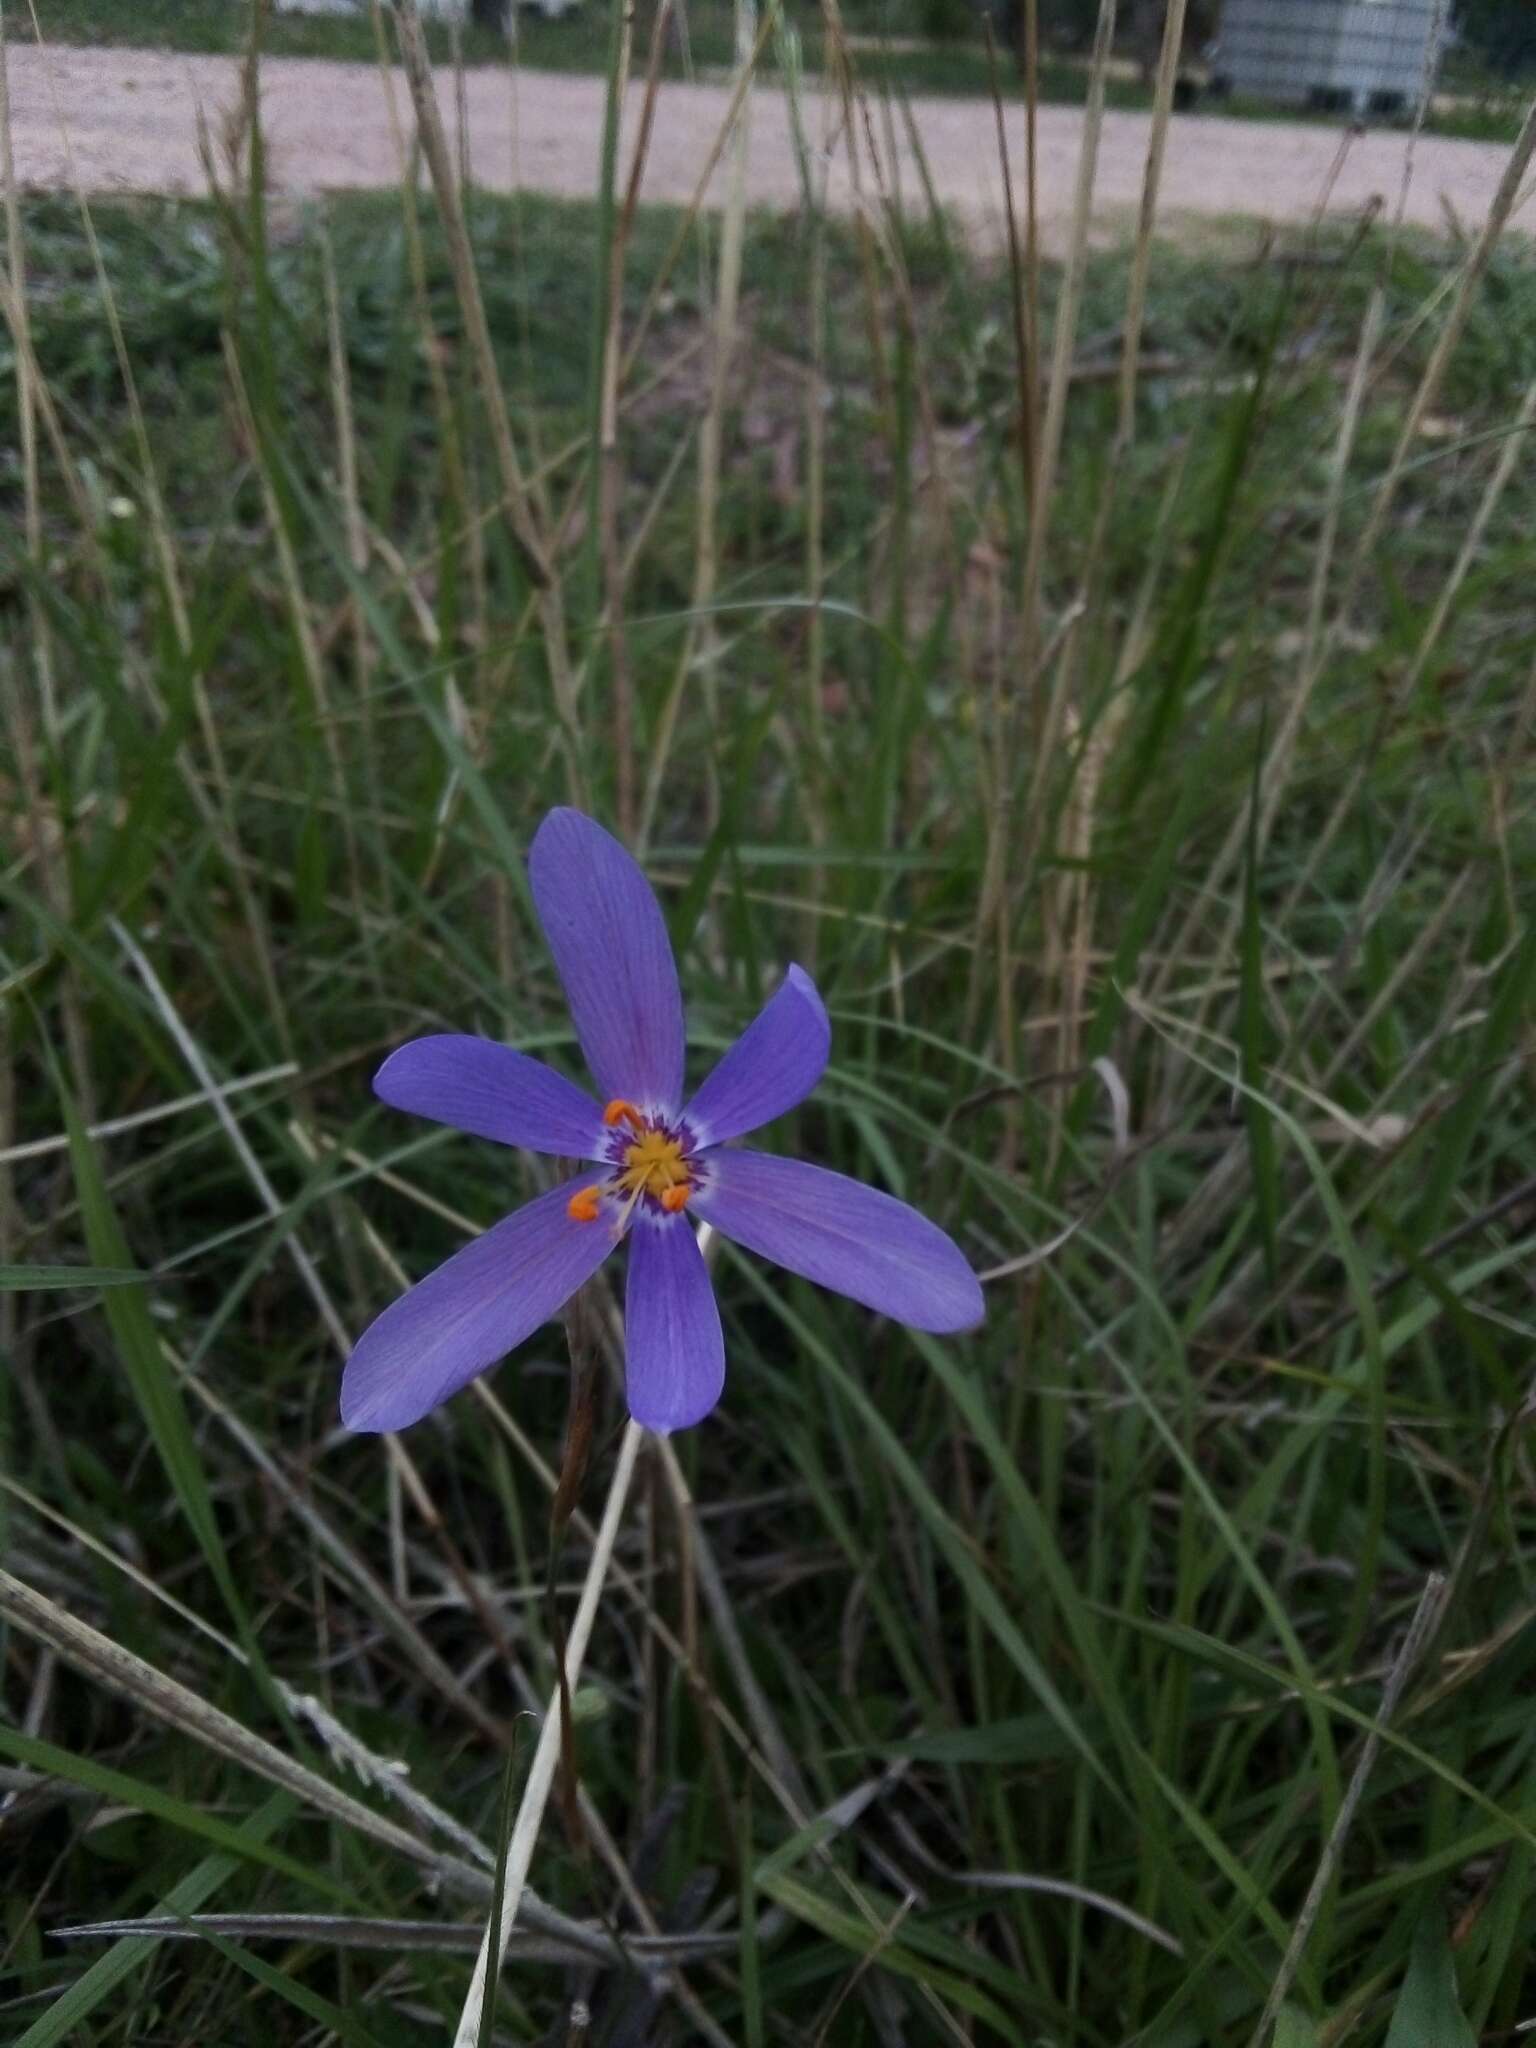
x=1127 y=709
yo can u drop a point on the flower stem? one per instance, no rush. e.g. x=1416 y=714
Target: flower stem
x=541 y=1772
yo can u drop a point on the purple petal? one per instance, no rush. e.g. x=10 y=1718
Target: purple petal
x=774 y=1064
x=479 y=1086
x=675 y=1354
x=610 y=944
x=842 y=1235
x=471 y=1311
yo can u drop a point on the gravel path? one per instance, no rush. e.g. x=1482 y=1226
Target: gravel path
x=127 y=120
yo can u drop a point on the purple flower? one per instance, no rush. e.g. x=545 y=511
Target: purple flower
x=651 y=1165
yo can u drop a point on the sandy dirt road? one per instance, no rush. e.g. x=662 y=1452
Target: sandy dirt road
x=126 y=121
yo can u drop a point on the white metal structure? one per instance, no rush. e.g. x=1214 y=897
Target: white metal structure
x=1367 y=56
x=430 y=10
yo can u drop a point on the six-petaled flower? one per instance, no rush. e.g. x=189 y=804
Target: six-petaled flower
x=650 y=1164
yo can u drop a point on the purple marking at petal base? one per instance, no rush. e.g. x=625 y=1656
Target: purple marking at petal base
x=476 y=1085
x=842 y=1235
x=674 y=1351
x=609 y=939
x=774 y=1064
x=471 y=1311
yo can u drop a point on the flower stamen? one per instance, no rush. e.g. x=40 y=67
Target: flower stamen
x=650 y=1159
x=654 y=1163
x=584 y=1205
x=627 y=1211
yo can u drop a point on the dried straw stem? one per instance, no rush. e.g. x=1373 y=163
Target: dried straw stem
x=541 y=1772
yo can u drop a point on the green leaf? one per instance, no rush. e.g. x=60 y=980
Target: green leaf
x=505 y=1821
x=1253 y=1038
x=154 y=1384
x=1428 y=2012
x=36 y=1279
x=309 y=865
x=900 y=1954
x=1228 y=1656
x=147 y=1798
x=727 y=834
x=750 y=1959
x=1294 y=2030
x=311 y=2003
x=1175 y=657
x=952 y=1541
x=1446 y=1153
x=65 y=2017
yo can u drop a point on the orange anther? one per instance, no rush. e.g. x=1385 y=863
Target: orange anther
x=673 y=1199
x=583 y=1206
x=620 y=1112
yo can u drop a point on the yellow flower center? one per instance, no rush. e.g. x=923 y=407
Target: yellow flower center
x=654 y=1165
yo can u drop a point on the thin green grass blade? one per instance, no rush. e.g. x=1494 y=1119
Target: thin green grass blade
x=947 y=1535
x=147 y=1798
x=898 y=1954
x=1184 y=628
x=1294 y=2030
x=44 y=1279
x=750 y=1959
x=1228 y=1657
x=1428 y=2012
x=1253 y=1039
x=346 y=2026
x=506 y=1817
x=146 y=1366
x=1455 y=1133
x=64 y=2019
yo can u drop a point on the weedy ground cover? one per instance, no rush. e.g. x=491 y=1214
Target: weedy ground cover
x=1115 y=682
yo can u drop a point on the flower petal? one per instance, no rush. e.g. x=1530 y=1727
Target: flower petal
x=479 y=1086
x=675 y=1354
x=842 y=1235
x=610 y=944
x=774 y=1064
x=471 y=1311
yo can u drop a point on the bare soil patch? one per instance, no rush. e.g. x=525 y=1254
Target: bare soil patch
x=121 y=121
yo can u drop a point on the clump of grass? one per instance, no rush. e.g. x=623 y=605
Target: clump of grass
x=1140 y=765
